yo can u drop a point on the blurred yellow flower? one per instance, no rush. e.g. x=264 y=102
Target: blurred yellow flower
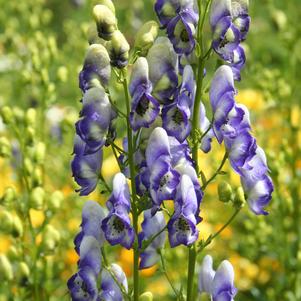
x=37 y=217
x=5 y=243
x=71 y=257
x=253 y=99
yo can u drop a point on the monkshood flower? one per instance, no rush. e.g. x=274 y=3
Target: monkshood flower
x=180 y=19
x=151 y=225
x=163 y=70
x=182 y=225
x=163 y=178
x=117 y=225
x=96 y=67
x=85 y=168
x=205 y=127
x=83 y=284
x=176 y=115
x=220 y=284
x=110 y=289
x=92 y=216
x=95 y=121
x=145 y=108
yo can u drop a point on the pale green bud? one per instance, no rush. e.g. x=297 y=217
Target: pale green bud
x=62 y=74
x=13 y=253
x=31 y=116
x=37 y=177
x=7 y=221
x=119 y=50
x=17 y=229
x=18 y=114
x=7 y=115
x=6 y=268
x=23 y=272
x=9 y=196
x=147 y=296
x=30 y=134
x=108 y=3
x=224 y=192
x=279 y=18
x=52 y=46
x=39 y=152
x=55 y=200
x=28 y=167
x=36 y=198
x=51 y=237
x=146 y=37
x=5 y=150
x=239 y=198
x=92 y=36
x=106 y=21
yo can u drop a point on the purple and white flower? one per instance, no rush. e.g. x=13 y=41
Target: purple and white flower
x=117 y=225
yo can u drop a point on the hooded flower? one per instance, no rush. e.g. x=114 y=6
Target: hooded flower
x=205 y=127
x=95 y=121
x=145 y=108
x=182 y=226
x=117 y=225
x=85 y=168
x=151 y=225
x=110 y=289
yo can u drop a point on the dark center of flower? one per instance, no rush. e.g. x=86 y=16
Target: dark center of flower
x=184 y=36
x=163 y=181
x=142 y=106
x=183 y=225
x=177 y=117
x=223 y=42
x=118 y=225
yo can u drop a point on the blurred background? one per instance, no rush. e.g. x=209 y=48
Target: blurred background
x=42 y=46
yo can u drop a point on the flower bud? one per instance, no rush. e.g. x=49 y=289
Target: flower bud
x=146 y=37
x=23 y=272
x=18 y=114
x=17 y=229
x=8 y=197
x=92 y=36
x=36 y=198
x=106 y=21
x=119 y=50
x=279 y=18
x=13 y=253
x=30 y=134
x=39 y=153
x=109 y=4
x=7 y=221
x=239 y=198
x=55 y=200
x=5 y=268
x=62 y=74
x=51 y=238
x=28 y=167
x=147 y=296
x=7 y=115
x=5 y=150
x=224 y=192
x=31 y=116
x=37 y=177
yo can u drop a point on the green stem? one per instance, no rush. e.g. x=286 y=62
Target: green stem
x=133 y=186
x=191 y=270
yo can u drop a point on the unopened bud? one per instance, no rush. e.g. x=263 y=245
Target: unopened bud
x=23 y=272
x=36 y=198
x=51 y=237
x=5 y=150
x=92 y=36
x=147 y=296
x=28 y=167
x=106 y=21
x=224 y=192
x=119 y=50
x=18 y=114
x=279 y=18
x=39 y=153
x=5 y=268
x=13 y=253
x=8 y=197
x=7 y=221
x=62 y=74
x=7 y=115
x=239 y=198
x=55 y=200
x=108 y=3
x=17 y=229
x=146 y=37
x=30 y=135
x=37 y=177
x=31 y=116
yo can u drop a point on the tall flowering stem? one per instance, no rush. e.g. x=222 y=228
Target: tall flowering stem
x=133 y=186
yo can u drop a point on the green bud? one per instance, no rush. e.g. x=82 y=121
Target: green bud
x=7 y=221
x=55 y=200
x=239 y=198
x=30 y=135
x=9 y=196
x=17 y=229
x=18 y=114
x=92 y=36
x=5 y=149
x=39 y=152
x=31 y=116
x=37 y=177
x=13 y=253
x=51 y=237
x=119 y=50
x=28 y=167
x=224 y=192
x=6 y=268
x=106 y=21
x=147 y=296
x=36 y=198
x=7 y=115
x=23 y=272
x=62 y=74
x=146 y=37
x=279 y=18
x=52 y=46
x=109 y=4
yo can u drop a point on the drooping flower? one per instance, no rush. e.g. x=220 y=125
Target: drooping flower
x=145 y=108
x=207 y=131
x=85 y=168
x=220 y=284
x=182 y=225
x=152 y=225
x=110 y=289
x=117 y=225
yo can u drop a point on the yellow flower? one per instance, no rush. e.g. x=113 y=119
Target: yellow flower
x=251 y=98
x=5 y=243
x=37 y=217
